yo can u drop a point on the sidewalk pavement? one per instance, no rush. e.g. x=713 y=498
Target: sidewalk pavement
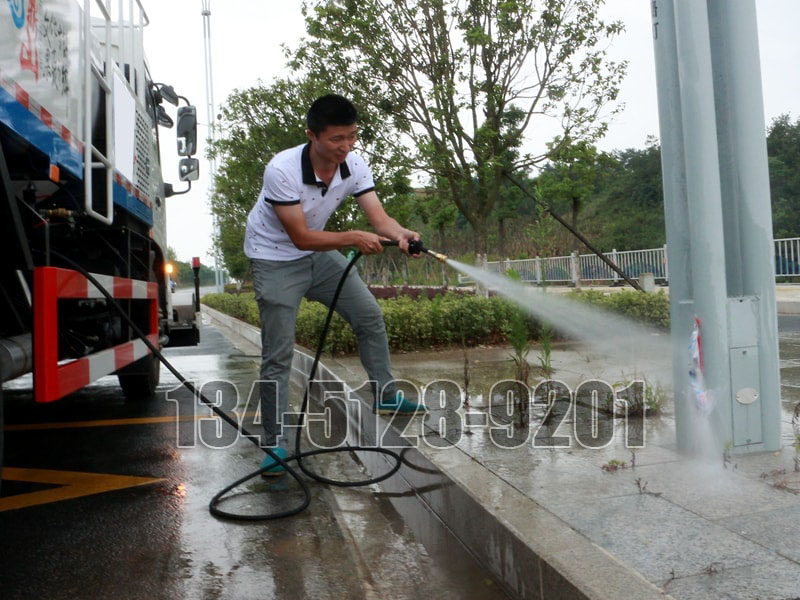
x=563 y=522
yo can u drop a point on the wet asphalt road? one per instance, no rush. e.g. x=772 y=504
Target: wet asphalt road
x=104 y=498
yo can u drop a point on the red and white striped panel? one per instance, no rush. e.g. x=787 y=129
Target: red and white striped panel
x=41 y=113
x=107 y=361
x=53 y=380
x=71 y=284
x=132 y=189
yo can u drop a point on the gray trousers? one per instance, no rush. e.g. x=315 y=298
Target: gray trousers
x=279 y=286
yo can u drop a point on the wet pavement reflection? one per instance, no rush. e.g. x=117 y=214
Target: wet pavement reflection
x=154 y=537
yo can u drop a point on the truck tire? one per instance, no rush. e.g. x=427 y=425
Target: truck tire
x=139 y=379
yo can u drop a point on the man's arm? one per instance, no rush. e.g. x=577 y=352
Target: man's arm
x=294 y=222
x=382 y=223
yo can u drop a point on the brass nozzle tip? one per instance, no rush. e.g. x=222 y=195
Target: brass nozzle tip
x=437 y=256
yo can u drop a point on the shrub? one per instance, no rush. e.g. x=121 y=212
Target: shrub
x=652 y=309
x=447 y=319
x=240 y=306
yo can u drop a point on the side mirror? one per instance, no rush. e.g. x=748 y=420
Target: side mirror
x=164 y=119
x=189 y=169
x=187 y=130
x=168 y=93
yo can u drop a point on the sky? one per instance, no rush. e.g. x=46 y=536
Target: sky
x=246 y=40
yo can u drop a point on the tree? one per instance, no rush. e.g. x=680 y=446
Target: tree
x=254 y=125
x=627 y=210
x=464 y=80
x=571 y=176
x=783 y=147
x=258 y=122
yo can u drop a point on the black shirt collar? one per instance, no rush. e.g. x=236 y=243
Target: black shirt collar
x=309 y=177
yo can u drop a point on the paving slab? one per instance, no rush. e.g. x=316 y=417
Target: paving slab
x=778 y=530
x=561 y=522
x=657 y=538
x=775 y=580
x=667 y=518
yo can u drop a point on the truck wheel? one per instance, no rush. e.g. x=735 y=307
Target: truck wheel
x=139 y=379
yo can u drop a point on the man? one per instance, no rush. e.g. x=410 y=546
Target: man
x=292 y=256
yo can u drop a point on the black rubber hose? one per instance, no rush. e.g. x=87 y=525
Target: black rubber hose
x=320 y=347
x=298 y=456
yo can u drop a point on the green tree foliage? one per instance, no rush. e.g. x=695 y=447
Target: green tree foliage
x=254 y=125
x=184 y=275
x=783 y=147
x=437 y=211
x=626 y=211
x=464 y=80
x=571 y=177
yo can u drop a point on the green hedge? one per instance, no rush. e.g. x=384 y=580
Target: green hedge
x=450 y=319
x=410 y=324
x=652 y=309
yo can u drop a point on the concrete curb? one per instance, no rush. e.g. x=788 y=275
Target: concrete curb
x=534 y=553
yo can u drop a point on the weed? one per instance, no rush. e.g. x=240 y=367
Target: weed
x=639 y=396
x=773 y=473
x=726 y=455
x=518 y=338
x=641 y=485
x=712 y=568
x=546 y=350
x=613 y=465
x=671 y=578
x=545 y=360
x=797 y=453
x=783 y=485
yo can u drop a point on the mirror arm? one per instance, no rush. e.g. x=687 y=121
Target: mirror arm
x=170 y=191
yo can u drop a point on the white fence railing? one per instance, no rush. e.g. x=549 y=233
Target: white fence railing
x=589 y=267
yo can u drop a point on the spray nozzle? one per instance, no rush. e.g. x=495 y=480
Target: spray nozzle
x=416 y=247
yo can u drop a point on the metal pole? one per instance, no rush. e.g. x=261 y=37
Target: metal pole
x=749 y=248
x=218 y=279
x=704 y=195
x=676 y=211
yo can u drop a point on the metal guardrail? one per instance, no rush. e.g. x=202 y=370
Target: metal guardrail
x=787 y=257
x=589 y=267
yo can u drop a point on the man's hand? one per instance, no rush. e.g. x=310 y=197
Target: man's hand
x=406 y=236
x=384 y=224
x=368 y=243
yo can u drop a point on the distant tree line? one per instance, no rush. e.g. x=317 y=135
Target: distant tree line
x=183 y=275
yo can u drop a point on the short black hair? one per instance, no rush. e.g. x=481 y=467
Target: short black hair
x=330 y=109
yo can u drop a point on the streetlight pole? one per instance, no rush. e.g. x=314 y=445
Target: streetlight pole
x=218 y=277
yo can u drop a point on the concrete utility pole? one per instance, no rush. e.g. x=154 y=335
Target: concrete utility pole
x=718 y=218
x=218 y=276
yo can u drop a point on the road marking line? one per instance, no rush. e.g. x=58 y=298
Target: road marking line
x=73 y=485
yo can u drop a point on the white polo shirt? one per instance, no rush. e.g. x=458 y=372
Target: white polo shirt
x=289 y=178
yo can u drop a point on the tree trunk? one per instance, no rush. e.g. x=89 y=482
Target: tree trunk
x=481 y=241
x=501 y=240
x=576 y=207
